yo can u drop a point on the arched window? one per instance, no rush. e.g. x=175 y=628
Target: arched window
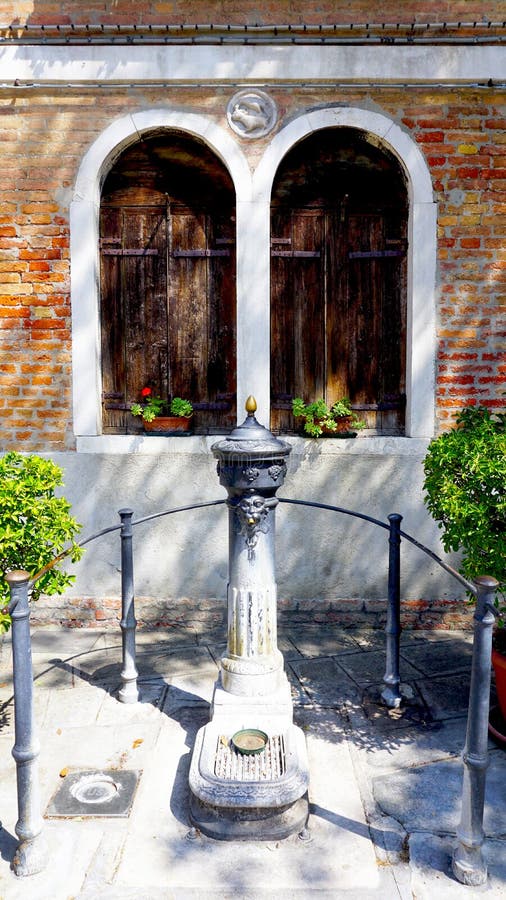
x=339 y=215
x=167 y=274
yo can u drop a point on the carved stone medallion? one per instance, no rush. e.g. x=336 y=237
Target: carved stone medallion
x=251 y=114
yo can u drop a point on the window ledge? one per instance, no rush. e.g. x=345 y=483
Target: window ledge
x=193 y=444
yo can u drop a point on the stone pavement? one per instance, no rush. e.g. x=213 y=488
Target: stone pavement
x=385 y=786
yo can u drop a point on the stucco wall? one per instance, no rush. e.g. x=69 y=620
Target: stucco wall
x=329 y=565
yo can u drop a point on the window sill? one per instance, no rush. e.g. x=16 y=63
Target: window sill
x=376 y=445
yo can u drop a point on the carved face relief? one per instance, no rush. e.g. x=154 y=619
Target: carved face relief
x=251 y=114
x=252 y=514
x=276 y=471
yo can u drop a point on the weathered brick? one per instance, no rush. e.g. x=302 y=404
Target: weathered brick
x=459 y=131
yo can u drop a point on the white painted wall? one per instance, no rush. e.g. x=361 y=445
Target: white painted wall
x=320 y=555
x=246 y=65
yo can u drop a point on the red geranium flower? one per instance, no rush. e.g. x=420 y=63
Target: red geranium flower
x=146 y=392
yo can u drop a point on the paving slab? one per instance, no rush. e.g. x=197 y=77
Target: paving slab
x=427 y=797
x=71 y=851
x=316 y=644
x=446 y=696
x=437 y=659
x=432 y=878
x=325 y=683
x=385 y=787
x=369 y=667
x=415 y=746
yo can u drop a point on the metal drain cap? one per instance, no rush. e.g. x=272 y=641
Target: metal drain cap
x=94 y=789
x=94 y=793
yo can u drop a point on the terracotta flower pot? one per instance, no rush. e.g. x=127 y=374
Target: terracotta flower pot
x=499 y=664
x=168 y=425
x=343 y=428
x=343 y=425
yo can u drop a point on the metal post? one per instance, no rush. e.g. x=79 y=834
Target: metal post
x=391 y=693
x=129 y=692
x=31 y=852
x=468 y=864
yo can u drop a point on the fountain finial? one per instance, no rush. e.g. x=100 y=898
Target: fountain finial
x=251 y=405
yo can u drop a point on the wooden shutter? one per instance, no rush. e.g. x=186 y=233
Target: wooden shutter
x=297 y=311
x=133 y=310
x=168 y=281
x=168 y=313
x=375 y=320
x=202 y=316
x=338 y=313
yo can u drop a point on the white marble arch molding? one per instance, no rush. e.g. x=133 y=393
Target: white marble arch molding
x=422 y=236
x=253 y=237
x=84 y=237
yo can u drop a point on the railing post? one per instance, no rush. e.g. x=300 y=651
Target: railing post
x=391 y=693
x=31 y=852
x=129 y=692
x=468 y=864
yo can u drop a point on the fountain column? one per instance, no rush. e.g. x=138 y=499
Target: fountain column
x=235 y=796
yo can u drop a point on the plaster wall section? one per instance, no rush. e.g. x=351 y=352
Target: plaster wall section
x=325 y=561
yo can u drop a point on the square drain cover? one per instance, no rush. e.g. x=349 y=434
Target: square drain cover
x=108 y=792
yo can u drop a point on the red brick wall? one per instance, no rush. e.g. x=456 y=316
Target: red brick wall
x=247 y=11
x=45 y=133
x=464 y=142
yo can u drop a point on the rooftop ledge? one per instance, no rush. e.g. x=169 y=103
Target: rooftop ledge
x=378 y=445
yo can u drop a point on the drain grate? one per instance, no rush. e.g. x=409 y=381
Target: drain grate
x=269 y=765
x=94 y=793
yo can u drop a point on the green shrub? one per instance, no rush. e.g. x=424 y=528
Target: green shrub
x=465 y=481
x=35 y=526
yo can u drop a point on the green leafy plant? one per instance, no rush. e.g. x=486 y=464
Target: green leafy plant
x=465 y=481
x=181 y=408
x=151 y=407
x=319 y=417
x=35 y=526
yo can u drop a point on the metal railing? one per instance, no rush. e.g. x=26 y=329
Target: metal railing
x=468 y=864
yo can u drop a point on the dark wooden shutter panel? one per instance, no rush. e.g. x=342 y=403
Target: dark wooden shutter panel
x=338 y=313
x=133 y=310
x=168 y=294
x=297 y=311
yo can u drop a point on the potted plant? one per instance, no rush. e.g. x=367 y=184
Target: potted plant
x=35 y=527
x=162 y=417
x=465 y=481
x=319 y=418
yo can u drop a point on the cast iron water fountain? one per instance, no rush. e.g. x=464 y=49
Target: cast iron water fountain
x=249 y=773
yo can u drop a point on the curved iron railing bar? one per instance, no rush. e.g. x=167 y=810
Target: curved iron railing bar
x=350 y=512
x=451 y=571
x=339 y=509
x=177 y=509
x=93 y=537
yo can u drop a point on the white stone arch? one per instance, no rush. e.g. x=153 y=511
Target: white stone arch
x=84 y=238
x=422 y=237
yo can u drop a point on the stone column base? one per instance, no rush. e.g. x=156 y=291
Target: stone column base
x=249 y=824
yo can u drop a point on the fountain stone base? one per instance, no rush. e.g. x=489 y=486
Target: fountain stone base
x=261 y=796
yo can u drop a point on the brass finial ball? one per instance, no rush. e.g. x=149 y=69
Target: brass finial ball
x=251 y=405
